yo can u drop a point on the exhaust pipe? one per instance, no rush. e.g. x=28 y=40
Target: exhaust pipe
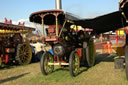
x=58 y=4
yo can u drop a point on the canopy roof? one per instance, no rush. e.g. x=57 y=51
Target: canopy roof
x=10 y=28
x=105 y=23
x=49 y=16
x=101 y=24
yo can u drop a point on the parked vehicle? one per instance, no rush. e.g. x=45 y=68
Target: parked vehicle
x=13 y=48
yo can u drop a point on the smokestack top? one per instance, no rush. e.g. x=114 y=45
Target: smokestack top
x=58 y=4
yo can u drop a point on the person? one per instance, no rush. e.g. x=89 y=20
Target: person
x=38 y=48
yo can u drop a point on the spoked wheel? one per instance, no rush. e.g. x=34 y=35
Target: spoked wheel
x=46 y=58
x=24 y=53
x=126 y=60
x=90 y=53
x=74 y=63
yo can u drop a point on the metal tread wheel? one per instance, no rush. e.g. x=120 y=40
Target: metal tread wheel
x=23 y=53
x=90 y=53
x=126 y=60
x=74 y=64
x=46 y=58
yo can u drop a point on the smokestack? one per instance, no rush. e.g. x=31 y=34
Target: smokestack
x=58 y=4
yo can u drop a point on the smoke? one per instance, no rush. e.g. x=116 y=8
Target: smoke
x=75 y=9
x=89 y=8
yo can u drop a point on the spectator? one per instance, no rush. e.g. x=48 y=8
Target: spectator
x=38 y=47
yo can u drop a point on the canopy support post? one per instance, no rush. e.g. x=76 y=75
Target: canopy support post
x=43 y=27
x=43 y=33
x=56 y=25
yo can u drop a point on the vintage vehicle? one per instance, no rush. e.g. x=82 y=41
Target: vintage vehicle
x=14 y=49
x=70 y=47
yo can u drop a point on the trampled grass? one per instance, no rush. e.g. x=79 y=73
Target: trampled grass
x=103 y=73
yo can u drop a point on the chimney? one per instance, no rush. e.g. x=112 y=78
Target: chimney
x=58 y=4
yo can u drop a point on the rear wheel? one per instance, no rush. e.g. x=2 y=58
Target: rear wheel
x=45 y=59
x=74 y=63
x=126 y=60
x=90 y=53
x=24 y=53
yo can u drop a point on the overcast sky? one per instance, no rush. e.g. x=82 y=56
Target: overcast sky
x=19 y=10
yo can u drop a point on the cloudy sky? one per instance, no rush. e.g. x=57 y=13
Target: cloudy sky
x=19 y=10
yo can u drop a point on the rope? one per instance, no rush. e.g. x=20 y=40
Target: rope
x=62 y=27
x=124 y=16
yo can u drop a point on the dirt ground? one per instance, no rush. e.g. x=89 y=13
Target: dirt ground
x=103 y=73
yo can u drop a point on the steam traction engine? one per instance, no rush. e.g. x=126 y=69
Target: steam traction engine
x=13 y=49
x=70 y=47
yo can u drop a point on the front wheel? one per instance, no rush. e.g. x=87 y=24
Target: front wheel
x=46 y=58
x=74 y=63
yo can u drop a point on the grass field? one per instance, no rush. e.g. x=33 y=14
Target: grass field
x=103 y=73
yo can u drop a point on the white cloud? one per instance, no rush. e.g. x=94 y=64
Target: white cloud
x=28 y=24
x=1 y=21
